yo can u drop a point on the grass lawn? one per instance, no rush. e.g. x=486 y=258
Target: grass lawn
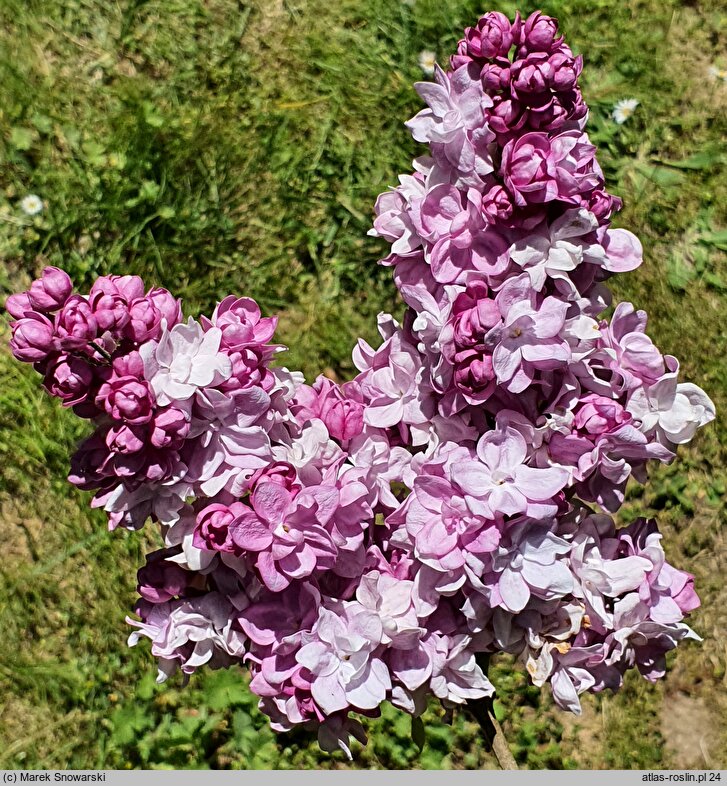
x=218 y=146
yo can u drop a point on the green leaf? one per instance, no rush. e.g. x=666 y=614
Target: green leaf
x=700 y=255
x=704 y=159
x=717 y=239
x=42 y=122
x=715 y=281
x=128 y=723
x=182 y=731
x=22 y=138
x=147 y=686
x=152 y=116
x=71 y=135
x=418 y=735
x=94 y=152
x=679 y=272
x=227 y=690
x=660 y=175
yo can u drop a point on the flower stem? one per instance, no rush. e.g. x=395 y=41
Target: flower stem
x=484 y=714
x=100 y=350
x=492 y=731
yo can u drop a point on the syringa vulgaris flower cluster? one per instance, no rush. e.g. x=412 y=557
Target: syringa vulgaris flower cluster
x=368 y=542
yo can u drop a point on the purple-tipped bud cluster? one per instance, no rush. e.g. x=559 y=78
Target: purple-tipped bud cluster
x=373 y=541
x=528 y=70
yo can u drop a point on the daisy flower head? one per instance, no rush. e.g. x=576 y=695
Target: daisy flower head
x=623 y=110
x=427 y=61
x=31 y=205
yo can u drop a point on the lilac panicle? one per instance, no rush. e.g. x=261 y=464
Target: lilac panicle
x=373 y=541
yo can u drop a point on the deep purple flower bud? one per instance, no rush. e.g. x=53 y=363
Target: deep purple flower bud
x=564 y=69
x=248 y=369
x=111 y=311
x=474 y=312
x=69 y=378
x=159 y=465
x=170 y=428
x=506 y=116
x=279 y=472
x=212 y=532
x=126 y=439
x=51 y=290
x=168 y=306
x=130 y=365
x=129 y=287
x=531 y=75
x=32 y=337
x=161 y=580
x=241 y=324
x=473 y=371
x=492 y=36
x=576 y=106
x=343 y=418
x=602 y=204
x=599 y=415
x=549 y=115
x=539 y=33
x=528 y=169
x=87 y=461
x=461 y=57
x=126 y=464
x=495 y=76
x=127 y=399
x=17 y=305
x=86 y=408
x=76 y=324
x=145 y=321
x=538 y=169
x=496 y=205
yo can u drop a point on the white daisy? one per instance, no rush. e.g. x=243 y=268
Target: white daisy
x=718 y=74
x=31 y=205
x=623 y=110
x=427 y=61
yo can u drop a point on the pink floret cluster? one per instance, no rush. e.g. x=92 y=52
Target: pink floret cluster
x=372 y=541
